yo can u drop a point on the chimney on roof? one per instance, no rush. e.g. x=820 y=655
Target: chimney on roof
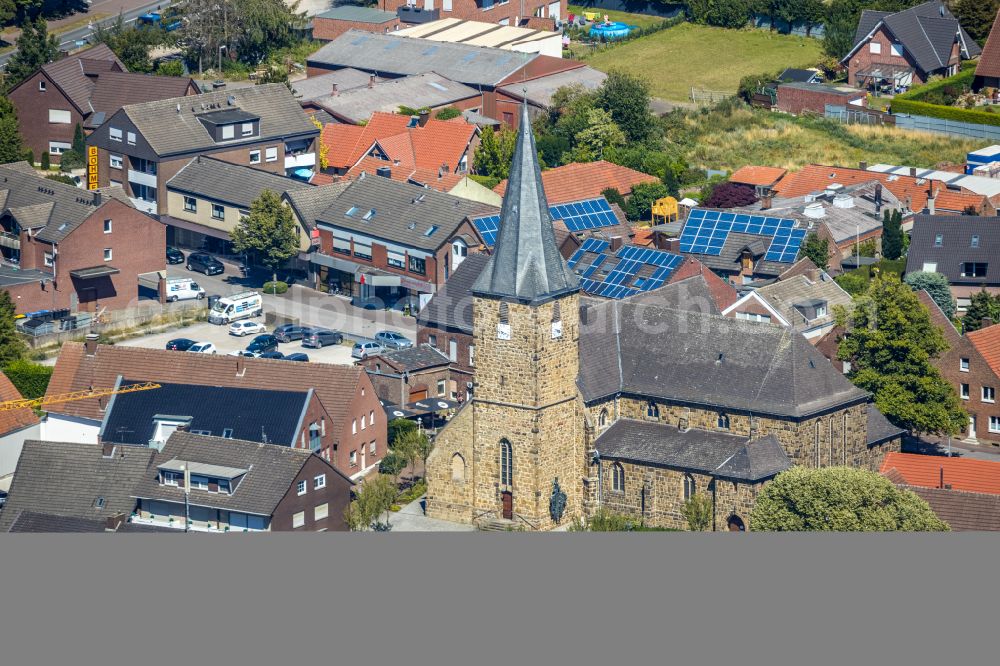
x=863 y=165
x=878 y=198
x=90 y=343
x=766 y=200
x=616 y=243
x=97 y=198
x=107 y=449
x=813 y=274
x=334 y=90
x=371 y=81
x=241 y=365
x=931 y=200
x=913 y=172
x=183 y=427
x=425 y=115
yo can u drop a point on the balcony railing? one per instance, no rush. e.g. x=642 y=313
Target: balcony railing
x=142 y=178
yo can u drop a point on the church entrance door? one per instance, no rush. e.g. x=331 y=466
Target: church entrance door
x=507 y=498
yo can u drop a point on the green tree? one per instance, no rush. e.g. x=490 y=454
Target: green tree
x=721 y=13
x=46 y=161
x=249 y=30
x=600 y=133
x=495 y=152
x=817 y=249
x=976 y=16
x=397 y=428
x=697 y=511
x=170 y=68
x=626 y=98
x=130 y=44
x=35 y=47
x=71 y=160
x=12 y=347
x=392 y=464
x=840 y=499
x=982 y=305
x=11 y=148
x=614 y=196
x=413 y=447
x=890 y=344
x=79 y=140
x=936 y=285
x=644 y=195
x=892 y=234
x=268 y=231
x=375 y=496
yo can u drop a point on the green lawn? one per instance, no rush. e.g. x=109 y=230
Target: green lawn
x=688 y=55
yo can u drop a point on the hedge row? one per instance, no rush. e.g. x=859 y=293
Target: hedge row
x=31 y=379
x=963 y=79
x=944 y=112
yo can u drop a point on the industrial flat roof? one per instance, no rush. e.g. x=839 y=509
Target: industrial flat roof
x=988 y=187
x=477 y=33
x=11 y=277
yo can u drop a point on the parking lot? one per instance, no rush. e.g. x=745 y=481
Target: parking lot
x=225 y=343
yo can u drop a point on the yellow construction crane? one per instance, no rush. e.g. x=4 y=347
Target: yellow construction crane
x=38 y=403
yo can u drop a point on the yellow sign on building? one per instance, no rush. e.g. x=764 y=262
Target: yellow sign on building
x=91 y=167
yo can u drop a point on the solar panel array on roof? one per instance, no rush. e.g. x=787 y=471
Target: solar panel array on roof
x=576 y=215
x=706 y=231
x=629 y=271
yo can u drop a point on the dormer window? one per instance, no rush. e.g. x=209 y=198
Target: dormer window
x=228 y=132
x=974 y=242
x=246 y=129
x=939 y=240
x=170 y=478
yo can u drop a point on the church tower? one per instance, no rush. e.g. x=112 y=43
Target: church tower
x=526 y=425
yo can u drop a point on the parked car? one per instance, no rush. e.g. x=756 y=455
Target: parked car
x=180 y=344
x=298 y=356
x=289 y=332
x=204 y=263
x=203 y=348
x=393 y=340
x=263 y=343
x=174 y=256
x=320 y=337
x=272 y=354
x=366 y=349
x=242 y=328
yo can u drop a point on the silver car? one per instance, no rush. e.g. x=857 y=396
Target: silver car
x=366 y=349
x=393 y=340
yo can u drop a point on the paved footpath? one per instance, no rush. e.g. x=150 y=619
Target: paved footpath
x=411 y=518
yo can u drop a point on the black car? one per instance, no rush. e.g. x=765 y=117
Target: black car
x=272 y=354
x=204 y=263
x=180 y=344
x=298 y=356
x=319 y=337
x=263 y=343
x=289 y=332
x=174 y=256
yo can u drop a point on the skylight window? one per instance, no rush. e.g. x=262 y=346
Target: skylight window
x=975 y=241
x=369 y=215
x=430 y=230
x=352 y=211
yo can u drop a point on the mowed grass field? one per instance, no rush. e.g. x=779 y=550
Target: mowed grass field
x=688 y=55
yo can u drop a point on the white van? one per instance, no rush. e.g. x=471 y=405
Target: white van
x=238 y=306
x=182 y=289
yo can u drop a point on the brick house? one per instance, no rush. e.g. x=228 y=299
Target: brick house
x=385 y=240
x=796 y=98
x=85 y=88
x=960 y=248
x=334 y=22
x=402 y=376
x=73 y=248
x=905 y=48
x=347 y=415
x=568 y=398
x=988 y=68
x=488 y=11
x=143 y=146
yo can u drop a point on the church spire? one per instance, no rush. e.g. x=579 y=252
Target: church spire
x=526 y=264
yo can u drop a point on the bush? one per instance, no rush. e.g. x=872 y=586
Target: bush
x=614 y=196
x=697 y=511
x=61 y=178
x=71 y=160
x=485 y=181
x=170 y=68
x=271 y=287
x=448 y=112
x=29 y=157
x=936 y=286
x=400 y=428
x=392 y=464
x=46 y=161
x=31 y=379
x=853 y=282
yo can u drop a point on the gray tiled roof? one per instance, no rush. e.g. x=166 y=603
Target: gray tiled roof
x=414 y=358
x=729 y=258
x=526 y=263
x=396 y=208
x=956 y=246
x=420 y=90
x=784 y=295
x=113 y=90
x=32 y=521
x=314 y=87
x=706 y=360
x=451 y=306
x=925 y=31
x=271 y=470
x=229 y=183
x=540 y=91
x=963 y=511
x=357 y=14
x=692 y=294
x=169 y=131
x=70 y=73
x=702 y=451
x=310 y=202
x=66 y=478
x=400 y=56
x=55 y=208
x=879 y=428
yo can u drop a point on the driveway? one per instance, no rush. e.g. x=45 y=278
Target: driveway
x=411 y=518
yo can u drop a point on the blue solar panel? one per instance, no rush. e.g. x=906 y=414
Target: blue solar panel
x=586 y=214
x=618 y=275
x=488 y=227
x=706 y=231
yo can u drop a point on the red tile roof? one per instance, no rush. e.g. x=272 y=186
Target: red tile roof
x=335 y=385
x=437 y=143
x=989 y=61
x=968 y=474
x=14 y=419
x=432 y=178
x=816 y=177
x=586 y=180
x=987 y=342
x=758 y=175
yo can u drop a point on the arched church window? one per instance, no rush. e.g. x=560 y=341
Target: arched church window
x=457 y=467
x=723 y=421
x=618 y=478
x=690 y=487
x=506 y=463
x=602 y=420
x=652 y=410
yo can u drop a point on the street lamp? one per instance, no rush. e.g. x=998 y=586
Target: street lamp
x=222 y=47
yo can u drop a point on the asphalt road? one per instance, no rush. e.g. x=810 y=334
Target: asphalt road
x=68 y=40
